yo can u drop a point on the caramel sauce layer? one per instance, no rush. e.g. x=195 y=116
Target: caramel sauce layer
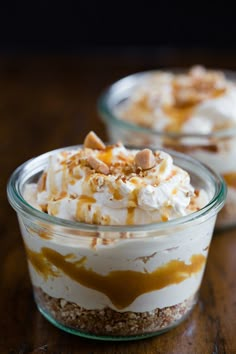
x=114 y=284
x=41 y=264
x=230 y=179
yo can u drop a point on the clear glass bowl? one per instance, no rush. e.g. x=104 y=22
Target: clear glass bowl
x=116 y=282
x=218 y=149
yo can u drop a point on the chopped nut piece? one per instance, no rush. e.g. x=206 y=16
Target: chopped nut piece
x=98 y=165
x=145 y=159
x=92 y=141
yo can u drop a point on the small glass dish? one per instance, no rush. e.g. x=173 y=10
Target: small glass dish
x=116 y=282
x=216 y=149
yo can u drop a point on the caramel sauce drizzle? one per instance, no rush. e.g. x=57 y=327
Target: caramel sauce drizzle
x=218 y=92
x=164 y=218
x=115 y=192
x=114 y=284
x=174 y=191
x=141 y=113
x=163 y=166
x=130 y=215
x=106 y=155
x=117 y=195
x=135 y=181
x=82 y=201
x=230 y=179
x=41 y=234
x=179 y=115
x=44 y=235
x=132 y=204
x=86 y=199
x=96 y=217
x=133 y=197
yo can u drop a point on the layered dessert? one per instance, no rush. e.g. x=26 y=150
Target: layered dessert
x=196 y=114
x=115 y=279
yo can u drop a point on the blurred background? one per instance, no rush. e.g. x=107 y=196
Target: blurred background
x=57 y=58
x=47 y=26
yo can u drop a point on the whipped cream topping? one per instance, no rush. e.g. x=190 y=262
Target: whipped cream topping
x=199 y=101
x=113 y=185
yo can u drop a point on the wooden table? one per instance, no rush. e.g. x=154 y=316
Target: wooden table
x=50 y=101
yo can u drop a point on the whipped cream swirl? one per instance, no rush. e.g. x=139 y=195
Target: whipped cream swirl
x=132 y=188
x=198 y=101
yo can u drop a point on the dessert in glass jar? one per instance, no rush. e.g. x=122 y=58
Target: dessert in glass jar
x=116 y=238
x=190 y=111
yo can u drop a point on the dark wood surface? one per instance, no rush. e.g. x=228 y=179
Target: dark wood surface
x=50 y=101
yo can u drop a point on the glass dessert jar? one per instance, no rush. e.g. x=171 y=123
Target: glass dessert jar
x=201 y=125
x=116 y=282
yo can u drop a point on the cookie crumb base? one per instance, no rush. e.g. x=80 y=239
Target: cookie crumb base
x=108 y=322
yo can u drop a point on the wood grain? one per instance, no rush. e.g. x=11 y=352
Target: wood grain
x=50 y=101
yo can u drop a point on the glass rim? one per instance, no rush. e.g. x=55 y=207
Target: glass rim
x=21 y=206
x=105 y=110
